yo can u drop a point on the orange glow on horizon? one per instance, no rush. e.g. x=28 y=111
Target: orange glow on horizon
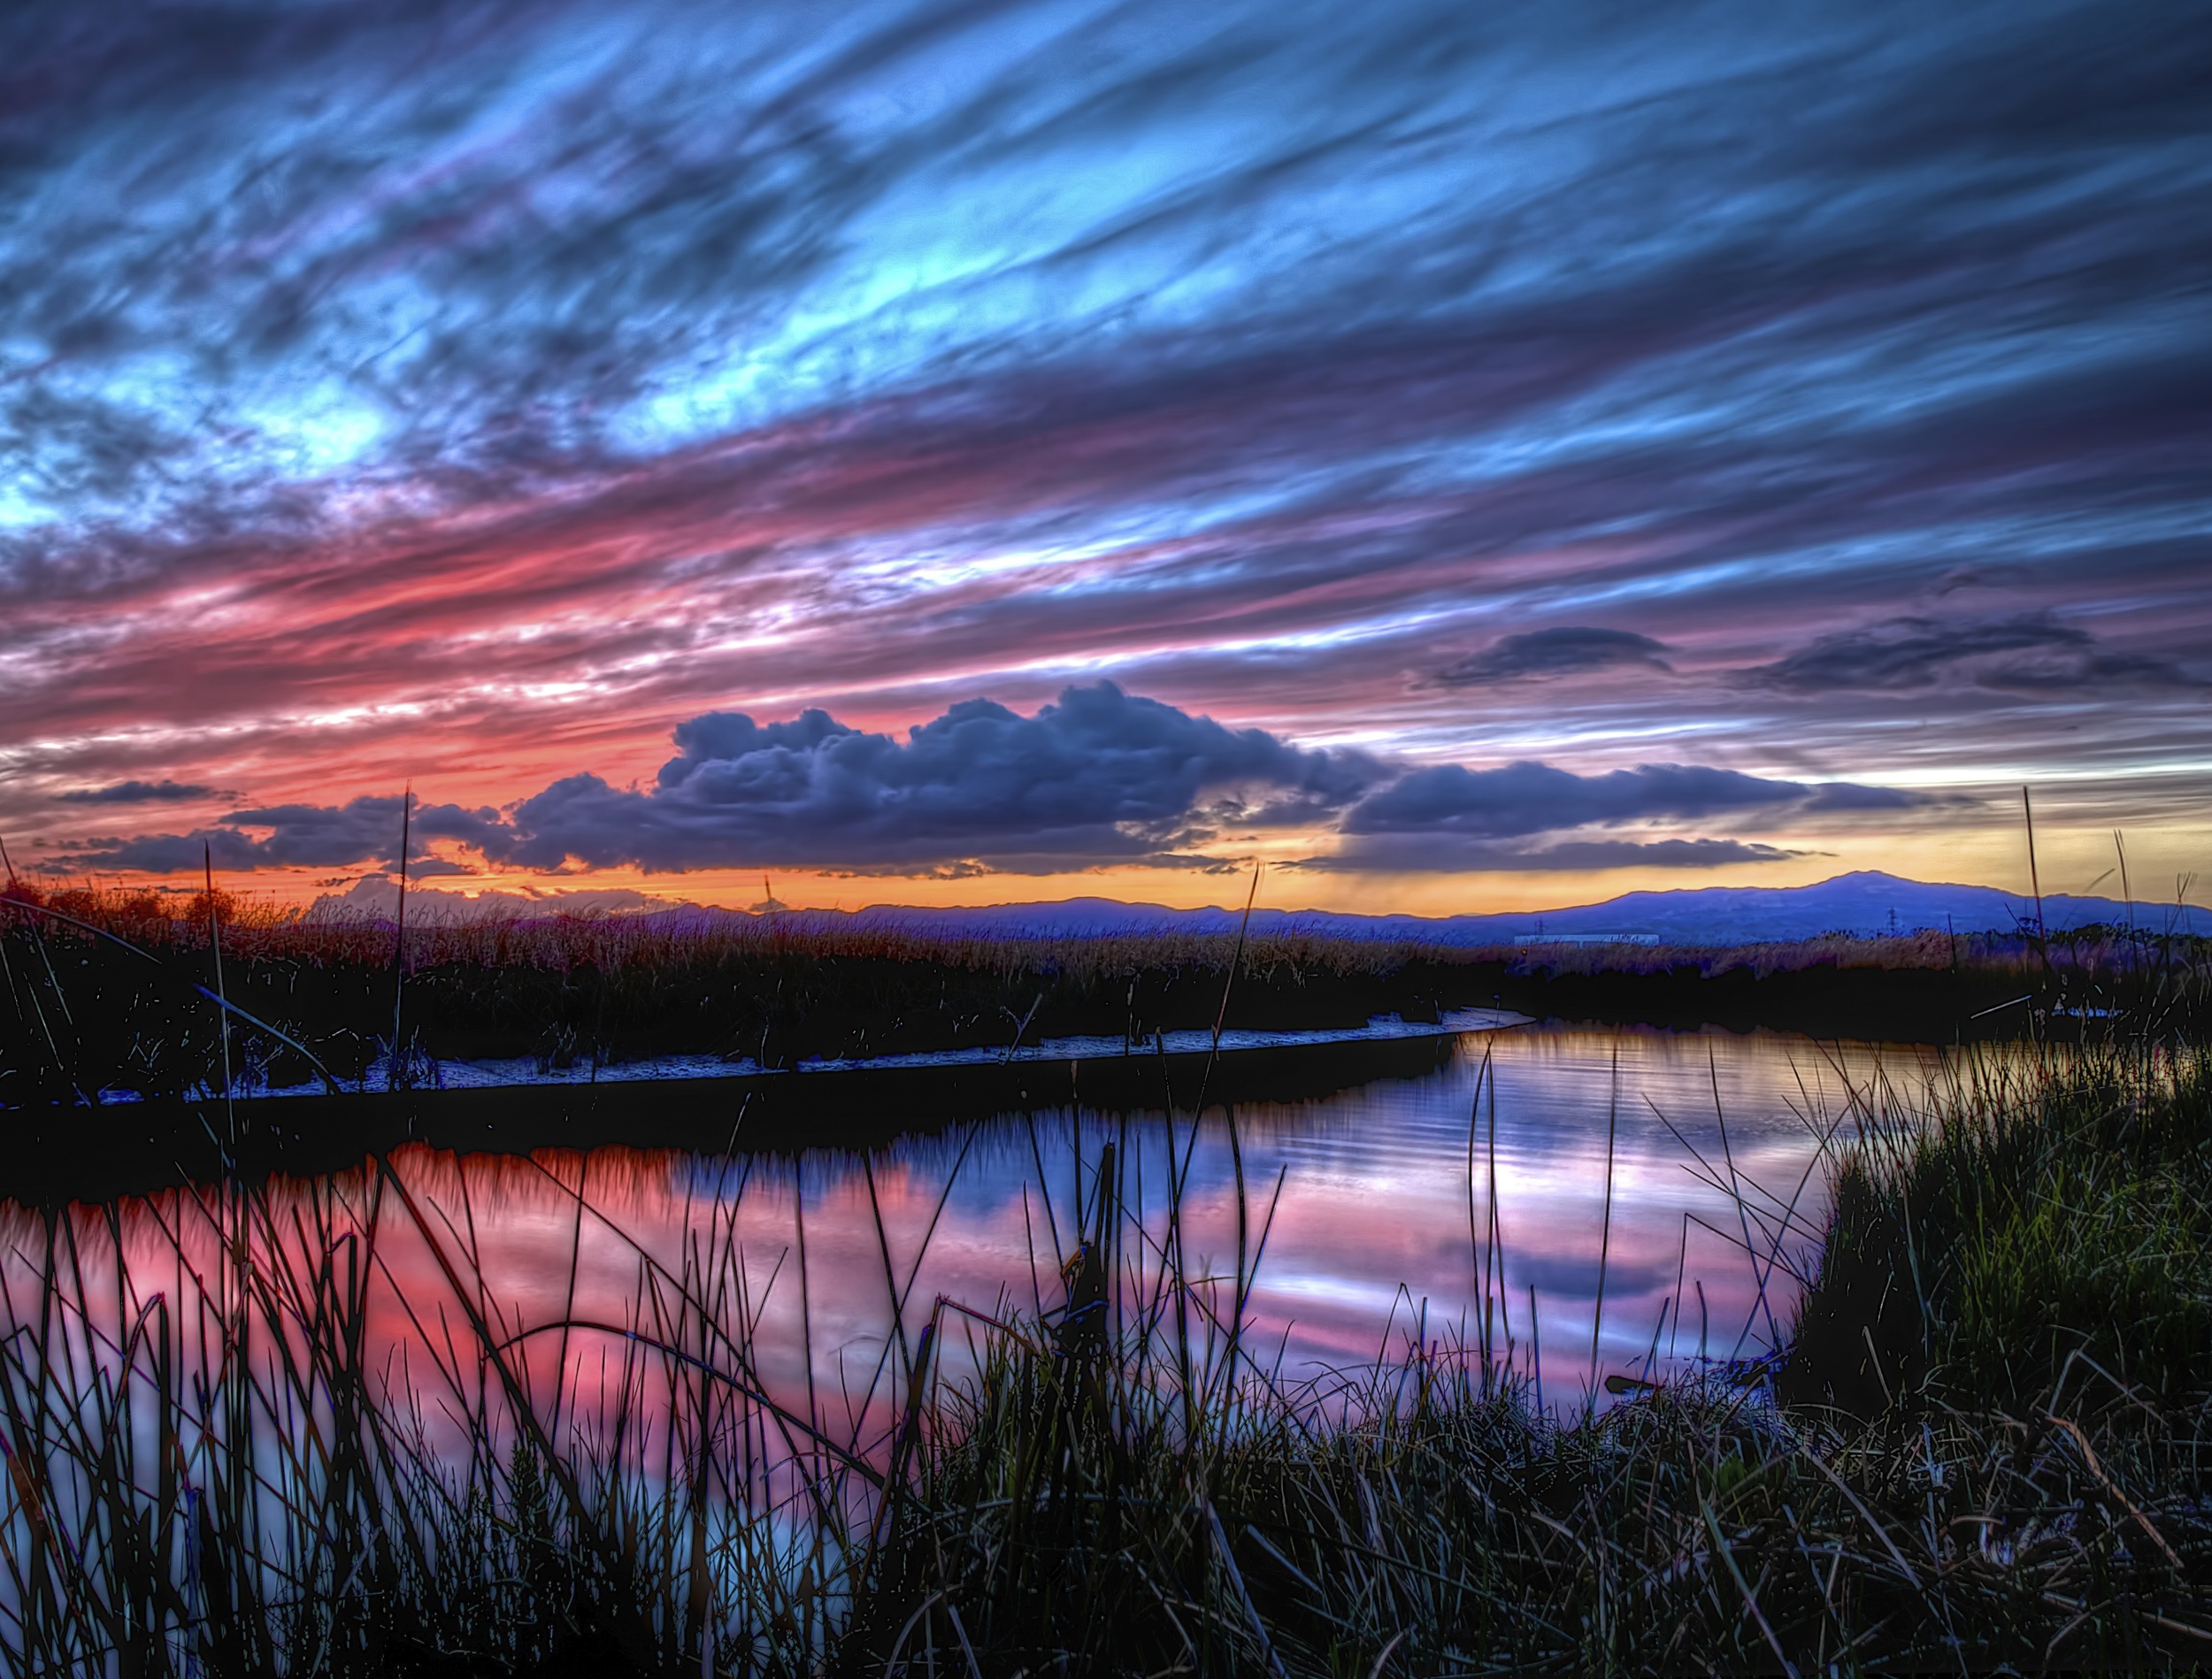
x=2072 y=859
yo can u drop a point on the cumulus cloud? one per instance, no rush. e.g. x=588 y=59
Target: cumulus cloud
x=2027 y=653
x=1097 y=777
x=422 y=868
x=1568 y=651
x=162 y=791
x=375 y=896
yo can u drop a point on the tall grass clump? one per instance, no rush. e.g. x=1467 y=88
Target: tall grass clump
x=1074 y=1510
x=2045 y=1222
x=214 y=1468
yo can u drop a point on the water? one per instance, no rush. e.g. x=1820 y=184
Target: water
x=1361 y=1214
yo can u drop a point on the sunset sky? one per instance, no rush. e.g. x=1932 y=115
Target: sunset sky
x=1467 y=456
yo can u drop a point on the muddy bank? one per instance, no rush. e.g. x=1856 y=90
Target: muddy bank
x=59 y=1155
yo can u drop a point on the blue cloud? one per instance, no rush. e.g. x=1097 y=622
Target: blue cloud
x=295 y=836
x=1567 y=650
x=2028 y=653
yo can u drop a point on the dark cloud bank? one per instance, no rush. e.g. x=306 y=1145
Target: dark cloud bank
x=1568 y=650
x=162 y=791
x=2028 y=652
x=1100 y=778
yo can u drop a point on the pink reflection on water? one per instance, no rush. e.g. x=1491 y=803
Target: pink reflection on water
x=1359 y=1209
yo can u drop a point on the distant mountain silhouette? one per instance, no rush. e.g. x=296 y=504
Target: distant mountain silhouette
x=1866 y=902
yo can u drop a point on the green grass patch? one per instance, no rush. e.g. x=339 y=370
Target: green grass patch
x=2045 y=1225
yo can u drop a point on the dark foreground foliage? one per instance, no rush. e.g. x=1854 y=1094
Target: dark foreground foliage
x=210 y=1471
x=110 y=990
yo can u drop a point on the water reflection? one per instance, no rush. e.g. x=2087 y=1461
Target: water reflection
x=1362 y=1214
x=1715 y=1146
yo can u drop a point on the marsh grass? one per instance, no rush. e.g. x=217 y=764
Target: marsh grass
x=107 y=988
x=2044 y=1225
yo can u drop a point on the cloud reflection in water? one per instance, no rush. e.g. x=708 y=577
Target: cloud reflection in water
x=1369 y=1237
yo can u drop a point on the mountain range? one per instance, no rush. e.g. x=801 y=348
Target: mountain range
x=1865 y=903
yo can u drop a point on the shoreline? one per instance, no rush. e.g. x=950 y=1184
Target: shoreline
x=91 y=1155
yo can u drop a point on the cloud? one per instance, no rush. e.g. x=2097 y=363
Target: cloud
x=1566 y=651
x=1451 y=818
x=1097 y=777
x=163 y=792
x=375 y=896
x=1445 y=852
x=422 y=868
x=433 y=376
x=403 y=385
x=1528 y=798
x=293 y=835
x=1996 y=575
x=2028 y=652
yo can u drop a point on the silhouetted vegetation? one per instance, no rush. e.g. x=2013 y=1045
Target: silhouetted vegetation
x=130 y=1012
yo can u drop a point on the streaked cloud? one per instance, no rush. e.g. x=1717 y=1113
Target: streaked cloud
x=472 y=393
x=298 y=836
x=2031 y=653
x=1532 y=798
x=163 y=792
x=1448 y=853
x=1568 y=651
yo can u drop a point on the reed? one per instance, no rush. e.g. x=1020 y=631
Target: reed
x=2043 y=1229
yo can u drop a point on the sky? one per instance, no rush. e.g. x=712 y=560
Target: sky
x=1461 y=456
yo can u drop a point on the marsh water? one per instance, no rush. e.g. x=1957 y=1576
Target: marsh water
x=1673 y=1180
